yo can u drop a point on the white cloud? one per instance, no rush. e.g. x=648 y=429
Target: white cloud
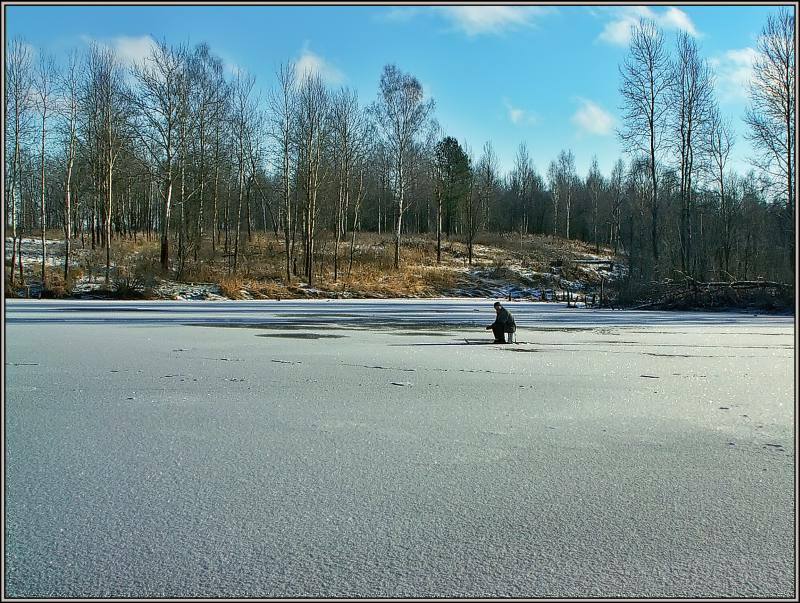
x=591 y=118
x=618 y=30
x=476 y=20
x=675 y=18
x=309 y=63
x=232 y=68
x=472 y=20
x=427 y=91
x=400 y=13
x=229 y=66
x=133 y=50
x=129 y=50
x=734 y=69
x=25 y=48
x=519 y=117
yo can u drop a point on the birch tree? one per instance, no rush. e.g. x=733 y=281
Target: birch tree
x=719 y=144
x=208 y=100
x=487 y=181
x=107 y=93
x=348 y=129
x=521 y=183
x=70 y=89
x=595 y=186
x=242 y=114
x=771 y=114
x=401 y=112
x=473 y=204
x=19 y=102
x=283 y=116
x=616 y=189
x=45 y=85
x=563 y=182
x=313 y=130
x=157 y=102
x=644 y=88
x=690 y=97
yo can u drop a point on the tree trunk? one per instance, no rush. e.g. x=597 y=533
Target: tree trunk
x=16 y=180
x=108 y=215
x=355 y=220
x=13 y=233
x=165 y=222
x=790 y=97
x=238 y=218
x=43 y=217
x=249 y=212
x=67 y=218
x=288 y=222
x=214 y=217
x=400 y=199
x=654 y=183
x=438 y=225
x=200 y=216
x=183 y=226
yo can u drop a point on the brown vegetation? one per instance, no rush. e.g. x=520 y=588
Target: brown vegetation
x=136 y=270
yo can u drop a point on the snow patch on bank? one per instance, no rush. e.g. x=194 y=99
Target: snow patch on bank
x=515 y=277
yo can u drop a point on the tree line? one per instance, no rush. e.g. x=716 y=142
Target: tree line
x=175 y=149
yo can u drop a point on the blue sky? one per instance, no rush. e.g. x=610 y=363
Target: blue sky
x=547 y=76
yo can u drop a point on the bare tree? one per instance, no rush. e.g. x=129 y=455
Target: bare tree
x=349 y=130
x=401 y=112
x=487 y=182
x=208 y=101
x=488 y=175
x=18 y=103
x=719 y=144
x=219 y=126
x=473 y=204
x=157 y=101
x=563 y=181
x=595 y=185
x=361 y=167
x=45 y=85
x=617 y=189
x=521 y=178
x=283 y=115
x=196 y=95
x=771 y=115
x=105 y=89
x=313 y=130
x=691 y=100
x=645 y=83
x=70 y=88
x=242 y=115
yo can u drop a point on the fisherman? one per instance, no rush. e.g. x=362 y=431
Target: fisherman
x=504 y=323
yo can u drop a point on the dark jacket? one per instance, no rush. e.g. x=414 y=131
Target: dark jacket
x=505 y=320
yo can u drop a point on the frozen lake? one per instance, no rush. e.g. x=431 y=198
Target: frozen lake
x=375 y=448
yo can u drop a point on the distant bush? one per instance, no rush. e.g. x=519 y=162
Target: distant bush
x=231 y=286
x=55 y=287
x=680 y=296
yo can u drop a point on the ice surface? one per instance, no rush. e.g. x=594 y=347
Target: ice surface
x=376 y=448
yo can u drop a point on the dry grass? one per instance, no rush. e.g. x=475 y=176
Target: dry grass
x=231 y=286
x=261 y=265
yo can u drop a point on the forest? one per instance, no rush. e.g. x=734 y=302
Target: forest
x=200 y=162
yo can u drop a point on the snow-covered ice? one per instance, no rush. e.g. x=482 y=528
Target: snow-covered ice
x=337 y=448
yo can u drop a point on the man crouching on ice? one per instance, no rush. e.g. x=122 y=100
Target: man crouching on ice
x=504 y=323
